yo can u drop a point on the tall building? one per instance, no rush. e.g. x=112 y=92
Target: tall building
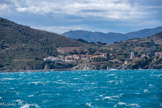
x=132 y=54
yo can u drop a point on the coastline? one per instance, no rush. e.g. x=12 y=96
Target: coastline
x=68 y=69
x=40 y=70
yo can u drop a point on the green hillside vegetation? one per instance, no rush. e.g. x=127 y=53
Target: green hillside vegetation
x=147 y=46
x=22 y=47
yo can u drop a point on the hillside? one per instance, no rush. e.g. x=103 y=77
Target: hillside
x=118 y=55
x=150 y=44
x=143 y=33
x=111 y=37
x=22 y=47
x=144 y=50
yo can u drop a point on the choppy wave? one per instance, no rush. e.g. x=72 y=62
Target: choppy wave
x=93 y=89
x=7 y=78
x=123 y=104
x=30 y=105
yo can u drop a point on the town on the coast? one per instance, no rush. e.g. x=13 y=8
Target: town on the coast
x=41 y=50
x=65 y=57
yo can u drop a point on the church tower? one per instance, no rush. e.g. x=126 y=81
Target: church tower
x=132 y=54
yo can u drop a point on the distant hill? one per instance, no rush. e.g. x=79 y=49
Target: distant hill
x=150 y=44
x=21 y=45
x=144 y=33
x=111 y=37
x=23 y=48
x=147 y=46
x=118 y=54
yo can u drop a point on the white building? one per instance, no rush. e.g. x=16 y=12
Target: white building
x=132 y=54
x=158 y=54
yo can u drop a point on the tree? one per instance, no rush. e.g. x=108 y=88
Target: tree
x=91 y=51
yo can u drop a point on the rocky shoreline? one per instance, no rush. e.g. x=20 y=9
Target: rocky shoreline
x=79 y=67
x=134 y=64
x=41 y=70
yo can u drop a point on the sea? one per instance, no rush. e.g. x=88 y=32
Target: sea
x=82 y=89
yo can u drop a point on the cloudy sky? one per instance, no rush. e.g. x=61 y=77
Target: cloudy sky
x=92 y=15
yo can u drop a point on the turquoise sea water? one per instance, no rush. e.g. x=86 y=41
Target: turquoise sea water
x=83 y=89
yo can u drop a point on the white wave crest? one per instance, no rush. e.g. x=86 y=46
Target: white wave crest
x=89 y=105
x=30 y=105
x=7 y=78
x=36 y=83
x=123 y=104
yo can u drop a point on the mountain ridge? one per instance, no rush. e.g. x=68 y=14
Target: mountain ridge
x=24 y=48
x=111 y=37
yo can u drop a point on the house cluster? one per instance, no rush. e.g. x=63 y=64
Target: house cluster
x=158 y=54
x=74 y=58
